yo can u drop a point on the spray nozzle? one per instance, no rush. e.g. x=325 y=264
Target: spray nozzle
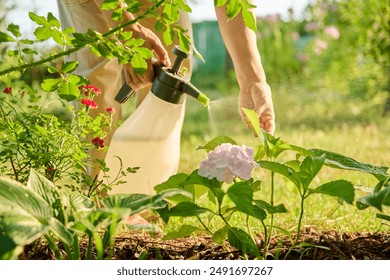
x=169 y=84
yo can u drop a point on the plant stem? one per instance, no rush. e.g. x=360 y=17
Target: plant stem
x=272 y=204
x=53 y=247
x=75 y=49
x=302 y=211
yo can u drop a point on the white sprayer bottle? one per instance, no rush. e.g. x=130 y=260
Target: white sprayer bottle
x=150 y=137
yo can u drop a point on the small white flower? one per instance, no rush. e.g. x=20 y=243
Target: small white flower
x=228 y=161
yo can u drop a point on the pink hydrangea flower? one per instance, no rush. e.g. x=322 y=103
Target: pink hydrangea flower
x=228 y=161
x=332 y=32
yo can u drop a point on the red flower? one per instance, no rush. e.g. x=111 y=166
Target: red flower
x=98 y=142
x=90 y=89
x=7 y=90
x=89 y=103
x=110 y=110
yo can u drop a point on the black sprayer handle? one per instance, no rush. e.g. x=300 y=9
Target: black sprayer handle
x=124 y=93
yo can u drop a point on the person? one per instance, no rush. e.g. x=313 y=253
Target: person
x=107 y=75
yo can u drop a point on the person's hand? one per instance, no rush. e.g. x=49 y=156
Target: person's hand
x=152 y=42
x=258 y=97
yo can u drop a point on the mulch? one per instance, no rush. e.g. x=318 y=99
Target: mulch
x=325 y=245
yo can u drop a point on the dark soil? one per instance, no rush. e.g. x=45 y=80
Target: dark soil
x=328 y=245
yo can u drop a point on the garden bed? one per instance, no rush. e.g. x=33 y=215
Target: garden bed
x=329 y=245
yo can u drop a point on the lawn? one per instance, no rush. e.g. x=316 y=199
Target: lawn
x=310 y=120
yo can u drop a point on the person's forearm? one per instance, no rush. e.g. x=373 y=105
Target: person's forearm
x=240 y=42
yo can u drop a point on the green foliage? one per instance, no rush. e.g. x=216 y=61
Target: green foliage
x=42 y=210
x=242 y=196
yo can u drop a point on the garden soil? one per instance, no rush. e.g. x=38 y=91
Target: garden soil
x=326 y=245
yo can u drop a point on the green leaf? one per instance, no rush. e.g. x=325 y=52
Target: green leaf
x=198 y=54
x=340 y=188
x=40 y=20
x=383 y=217
x=171 y=13
x=24 y=215
x=168 y=36
x=211 y=145
x=233 y=8
x=376 y=199
x=4 y=37
x=184 y=231
x=186 y=209
x=138 y=63
x=52 y=69
x=280 y=208
x=109 y=4
x=53 y=21
x=43 y=32
x=159 y=26
x=280 y=169
x=309 y=169
x=46 y=189
x=50 y=85
x=61 y=232
x=184 y=41
x=212 y=184
x=241 y=240
x=68 y=91
x=220 y=235
x=346 y=163
x=183 y=6
x=249 y=19
x=69 y=66
x=174 y=182
x=253 y=119
x=219 y=3
x=14 y=29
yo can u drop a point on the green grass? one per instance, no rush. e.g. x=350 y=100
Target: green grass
x=313 y=120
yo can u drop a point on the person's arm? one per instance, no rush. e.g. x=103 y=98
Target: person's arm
x=152 y=42
x=255 y=93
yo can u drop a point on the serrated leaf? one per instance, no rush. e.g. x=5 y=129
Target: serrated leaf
x=377 y=199
x=242 y=196
x=50 y=85
x=233 y=8
x=184 y=41
x=40 y=20
x=184 y=231
x=43 y=32
x=53 y=21
x=145 y=53
x=186 y=209
x=171 y=13
x=14 y=29
x=138 y=63
x=340 y=188
x=212 y=144
x=241 y=240
x=343 y=162
x=68 y=91
x=249 y=19
x=280 y=208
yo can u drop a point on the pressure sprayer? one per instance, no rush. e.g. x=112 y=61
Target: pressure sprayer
x=150 y=137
